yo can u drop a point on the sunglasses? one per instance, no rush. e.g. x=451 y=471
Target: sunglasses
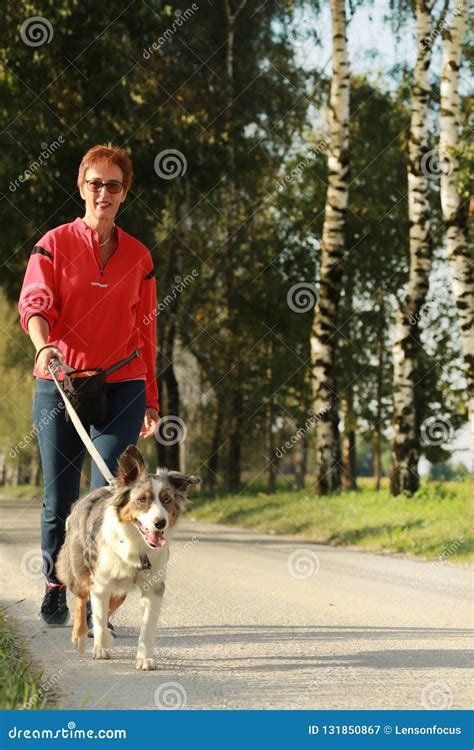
x=113 y=186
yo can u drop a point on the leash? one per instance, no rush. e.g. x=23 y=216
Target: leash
x=54 y=367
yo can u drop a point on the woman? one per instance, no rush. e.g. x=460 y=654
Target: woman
x=89 y=300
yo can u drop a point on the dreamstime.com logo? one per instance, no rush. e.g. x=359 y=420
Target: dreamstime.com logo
x=307 y=427
x=302 y=297
x=433 y=165
x=46 y=417
x=437 y=696
x=46 y=686
x=303 y=563
x=37 y=298
x=178 y=553
x=180 y=18
x=35 y=564
x=170 y=696
x=170 y=163
x=171 y=430
x=178 y=288
x=47 y=149
x=437 y=430
x=70 y=732
x=36 y=31
x=440 y=560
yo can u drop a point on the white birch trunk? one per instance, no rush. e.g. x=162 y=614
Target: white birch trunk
x=325 y=335
x=406 y=441
x=455 y=212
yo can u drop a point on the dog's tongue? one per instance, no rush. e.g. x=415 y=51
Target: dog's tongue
x=154 y=538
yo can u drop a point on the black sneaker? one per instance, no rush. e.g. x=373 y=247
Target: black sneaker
x=54 y=611
x=90 y=627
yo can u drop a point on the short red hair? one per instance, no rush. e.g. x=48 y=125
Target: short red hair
x=111 y=154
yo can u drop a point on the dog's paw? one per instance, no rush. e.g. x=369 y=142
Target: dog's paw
x=99 y=652
x=80 y=643
x=146 y=665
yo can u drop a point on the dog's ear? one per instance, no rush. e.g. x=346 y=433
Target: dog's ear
x=130 y=464
x=182 y=482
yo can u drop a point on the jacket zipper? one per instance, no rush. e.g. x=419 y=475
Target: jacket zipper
x=102 y=268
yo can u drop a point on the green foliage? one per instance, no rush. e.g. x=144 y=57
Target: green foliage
x=433 y=523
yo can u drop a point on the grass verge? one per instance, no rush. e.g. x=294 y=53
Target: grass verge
x=20 y=686
x=436 y=521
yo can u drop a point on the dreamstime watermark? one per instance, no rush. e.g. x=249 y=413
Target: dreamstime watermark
x=178 y=553
x=302 y=31
x=440 y=560
x=36 y=31
x=303 y=563
x=37 y=297
x=294 y=173
x=171 y=430
x=302 y=297
x=170 y=696
x=307 y=427
x=437 y=696
x=170 y=164
x=46 y=150
x=433 y=165
x=180 y=19
x=47 y=416
x=44 y=688
x=35 y=564
x=446 y=19
x=178 y=288
x=437 y=430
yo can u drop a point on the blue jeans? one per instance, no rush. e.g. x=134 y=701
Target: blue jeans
x=62 y=453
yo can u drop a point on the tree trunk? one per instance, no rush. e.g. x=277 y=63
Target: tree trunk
x=213 y=462
x=300 y=452
x=379 y=392
x=325 y=335
x=349 y=456
x=272 y=459
x=35 y=468
x=168 y=448
x=174 y=403
x=270 y=419
x=231 y=209
x=406 y=441
x=235 y=438
x=455 y=213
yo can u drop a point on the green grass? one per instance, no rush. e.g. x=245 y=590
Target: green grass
x=20 y=686
x=436 y=521
x=22 y=491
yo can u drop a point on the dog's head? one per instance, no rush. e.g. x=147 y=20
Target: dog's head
x=151 y=502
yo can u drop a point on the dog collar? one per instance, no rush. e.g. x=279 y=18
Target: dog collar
x=145 y=563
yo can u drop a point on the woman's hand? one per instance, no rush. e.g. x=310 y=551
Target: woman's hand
x=45 y=357
x=150 y=423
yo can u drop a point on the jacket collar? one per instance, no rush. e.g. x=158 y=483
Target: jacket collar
x=86 y=230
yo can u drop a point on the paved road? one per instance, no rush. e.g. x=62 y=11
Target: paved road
x=256 y=621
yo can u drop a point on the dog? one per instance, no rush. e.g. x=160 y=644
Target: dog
x=117 y=539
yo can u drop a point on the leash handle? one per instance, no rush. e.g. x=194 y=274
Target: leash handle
x=54 y=366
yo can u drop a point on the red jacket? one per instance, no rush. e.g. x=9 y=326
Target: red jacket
x=97 y=314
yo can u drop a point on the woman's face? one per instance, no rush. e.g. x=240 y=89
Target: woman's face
x=103 y=205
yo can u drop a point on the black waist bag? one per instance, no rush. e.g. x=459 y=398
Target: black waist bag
x=87 y=391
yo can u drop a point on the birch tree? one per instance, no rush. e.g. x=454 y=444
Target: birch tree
x=324 y=335
x=406 y=441
x=455 y=209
